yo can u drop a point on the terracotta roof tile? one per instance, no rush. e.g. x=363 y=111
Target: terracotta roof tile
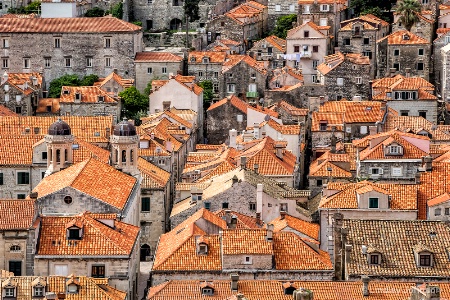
x=97 y=238
x=157 y=57
x=331 y=119
x=48 y=105
x=233 y=100
x=321 y=168
x=432 y=185
x=404 y=37
x=152 y=176
x=86 y=150
x=66 y=25
x=93 y=178
x=438 y=200
x=5 y=112
x=87 y=94
x=285 y=129
x=416 y=125
x=294 y=111
x=214 y=57
x=233 y=60
x=288 y=222
x=17 y=214
x=243 y=221
x=123 y=82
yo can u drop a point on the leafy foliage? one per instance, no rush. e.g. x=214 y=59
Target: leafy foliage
x=134 y=103
x=33 y=7
x=191 y=10
x=117 y=10
x=94 y=12
x=408 y=10
x=207 y=87
x=376 y=8
x=284 y=24
x=54 y=90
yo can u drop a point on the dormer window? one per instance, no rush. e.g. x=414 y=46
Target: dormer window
x=66 y=92
x=324 y=7
x=207 y=291
x=101 y=98
x=74 y=233
x=406 y=37
x=425 y=260
x=206 y=60
x=192 y=58
x=38 y=286
x=9 y=288
x=77 y=96
x=10 y=292
x=72 y=284
x=323 y=126
x=202 y=247
x=373 y=203
x=394 y=150
x=374 y=258
x=38 y=291
x=72 y=288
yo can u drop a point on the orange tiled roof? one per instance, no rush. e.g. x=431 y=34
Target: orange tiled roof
x=320 y=168
x=245 y=241
x=16 y=214
x=45 y=103
x=309 y=229
x=331 y=119
x=310 y=24
x=233 y=100
x=404 y=37
x=66 y=25
x=356 y=111
x=157 y=57
x=97 y=238
x=233 y=60
x=243 y=221
x=416 y=125
x=88 y=94
x=285 y=129
x=86 y=150
x=214 y=57
x=432 y=185
x=403 y=196
x=152 y=176
x=349 y=26
x=125 y=83
x=294 y=111
x=276 y=42
x=24 y=82
x=93 y=178
x=245 y=13
x=438 y=200
x=17 y=150
x=5 y=112
x=334 y=60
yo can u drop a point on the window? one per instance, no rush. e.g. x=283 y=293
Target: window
x=149 y=70
x=323 y=22
x=1 y=178
x=306 y=9
x=315 y=63
x=346 y=42
x=207 y=291
x=396 y=66
x=314 y=79
x=18 y=109
x=324 y=7
x=437 y=211
x=423 y=114
x=222 y=24
x=284 y=207
x=368 y=53
x=107 y=42
x=57 y=43
x=200 y=74
x=376 y=171
x=292 y=7
x=98 y=272
x=68 y=200
x=149 y=1
x=9 y=292
x=421 y=51
x=340 y=81
x=5 y=63
x=374 y=259
x=306 y=34
x=366 y=41
x=425 y=260
x=404 y=113
x=216 y=74
x=216 y=87
x=5 y=43
x=373 y=202
x=74 y=234
x=164 y=70
x=248 y=260
x=319 y=182
x=447 y=39
x=145 y=204
x=230 y=88
x=315 y=49
x=26 y=63
x=358 y=80
x=396 y=171
x=14 y=248
x=396 y=52
x=394 y=150
x=323 y=126
x=47 y=61
x=61 y=270
x=447 y=211
x=277 y=7
x=207 y=205
x=68 y=62
x=23 y=178
x=296 y=49
x=252 y=206
x=107 y=61
x=38 y=291
x=224 y=205
x=419 y=66
x=89 y=62
x=21 y=196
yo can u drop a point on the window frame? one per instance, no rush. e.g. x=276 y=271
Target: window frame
x=98 y=269
x=425 y=260
x=144 y=207
x=372 y=202
x=26 y=178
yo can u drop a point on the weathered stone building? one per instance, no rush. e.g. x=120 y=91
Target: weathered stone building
x=285 y=77
x=423 y=27
x=155 y=65
x=345 y=76
x=277 y=9
x=80 y=46
x=404 y=53
x=306 y=46
x=359 y=35
x=270 y=50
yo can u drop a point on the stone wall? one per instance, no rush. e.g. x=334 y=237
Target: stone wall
x=143 y=77
x=409 y=170
x=413 y=107
x=154 y=39
x=153 y=222
x=10 y=188
x=17 y=102
x=16 y=238
x=238 y=261
x=77 y=47
x=91 y=109
x=221 y=120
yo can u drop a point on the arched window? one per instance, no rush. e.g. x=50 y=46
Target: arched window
x=58 y=155
x=124 y=156
x=131 y=155
x=145 y=252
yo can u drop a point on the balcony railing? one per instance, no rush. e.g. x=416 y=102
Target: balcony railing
x=252 y=95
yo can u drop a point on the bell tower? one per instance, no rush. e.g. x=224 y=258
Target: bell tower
x=124 y=148
x=59 y=142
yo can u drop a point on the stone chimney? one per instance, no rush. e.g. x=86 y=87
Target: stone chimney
x=365 y=288
x=256 y=168
x=392 y=72
x=373 y=130
x=228 y=216
x=234 y=282
x=279 y=150
x=256 y=130
x=333 y=142
x=258 y=219
x=234 y=179
x=33 y=195
x=282 y=214
x=427 y=163
x=417 y=178
x=348 y=251
x=243 y=162
x=302 y=294
x=233 y=136
x=269 y=235
x=408 y=72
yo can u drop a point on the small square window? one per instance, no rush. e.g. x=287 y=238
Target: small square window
x=396 y=66
x=425 y=260
x=1 y=178
x=207 y=205
x=26 y=63
x=23 y=178
x=358 y=80
x=149 y=70
x=421 y=51
x=374 y=259
x=306 y=34
x=68 y=62
x=447 y=211
x=437 y=211
x=423 y=114
x=340 y=81
x=164 y=70
x=366 y=41
x=277 y=7
x=396 y=52
x=346 y=42
x=224 y=205
x=419 y=66
x=57 y=43
x=373 y=202
x=18 y=110
x=252 y=206
x=315 y=49
x=89 y=62
x=296 y=49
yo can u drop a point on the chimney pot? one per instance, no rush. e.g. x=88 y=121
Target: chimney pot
x=234 y=282
x=365 y=280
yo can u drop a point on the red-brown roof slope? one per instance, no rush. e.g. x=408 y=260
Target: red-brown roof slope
x=157 y=57
x=16 y=214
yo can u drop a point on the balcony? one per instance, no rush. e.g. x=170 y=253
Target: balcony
x=252 y=94
x=306 y=54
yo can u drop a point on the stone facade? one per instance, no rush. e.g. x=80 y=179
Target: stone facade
x=348 y=79
x=404 y=53
x=13 y=96
x=80 y=53
x=270 y=50
x=238 y=261
x=91 y=109
x=408 y=169
x=424 y=27
x=278 y=9
x=438 y=63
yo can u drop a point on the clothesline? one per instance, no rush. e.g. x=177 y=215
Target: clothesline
x=295 y=57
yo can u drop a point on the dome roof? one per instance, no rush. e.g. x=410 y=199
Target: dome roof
x=59 y=128
x=124 y=128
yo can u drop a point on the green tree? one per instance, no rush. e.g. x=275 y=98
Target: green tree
x=89 y=80
x=284 y=24
x=207 y=87
x=117 y=10
x=54 y=90
x=376 y=11
x=33 y=7
x=408 y=9
x=94 y=12
x=133 y=102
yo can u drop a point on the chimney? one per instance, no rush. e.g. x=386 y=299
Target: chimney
x=269 y=235
x=408 y=72
x=234 y=282
x=259 y=199
x=433 y=292
x=365 y=290
x=240 y=296
x=258 y=219
x=302 y=294
x=243 y=162
x=256 y=168
x=279 y=150
x=256 y=130
x=152 y=136
x=427 y=163
x=228 y=216
x=50 y=296
x=373 y=130
x=333 y=143
x=33 y=195
x=392 y=72
x=169 y=145
x=234 y=179
x=417 y=178
x=348 y=250
x=233 y=136
x=282 y=214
